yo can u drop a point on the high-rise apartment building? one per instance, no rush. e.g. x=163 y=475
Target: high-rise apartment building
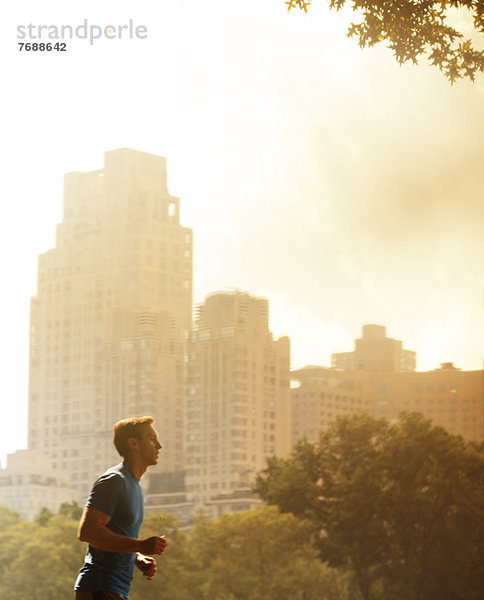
x=110 y=317
x=237 y=400
x=374 y=351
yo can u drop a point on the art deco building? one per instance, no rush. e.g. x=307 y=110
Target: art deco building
x=237 y=402
x=110 y=317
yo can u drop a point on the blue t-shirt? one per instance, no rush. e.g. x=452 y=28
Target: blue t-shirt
x=116 y=493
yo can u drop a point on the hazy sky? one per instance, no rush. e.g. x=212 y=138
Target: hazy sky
x=342 y=187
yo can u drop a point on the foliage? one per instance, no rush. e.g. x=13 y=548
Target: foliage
x=44 y=516
x=246 y=556
x=254 y=555
x=261 y=555
x=173 y=578
x=401 y=506
x=72 y=510
x=39 y=561
x=412 y=28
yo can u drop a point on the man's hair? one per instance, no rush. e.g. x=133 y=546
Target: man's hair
x=129 y=428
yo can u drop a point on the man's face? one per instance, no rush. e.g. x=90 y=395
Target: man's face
x=149 y=446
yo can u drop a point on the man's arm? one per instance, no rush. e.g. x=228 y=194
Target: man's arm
x=93 y=530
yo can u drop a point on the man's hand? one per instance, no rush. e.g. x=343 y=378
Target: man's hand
x=146 y=564
x=153 y=545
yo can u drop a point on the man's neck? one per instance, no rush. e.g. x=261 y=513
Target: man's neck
x=135 y=465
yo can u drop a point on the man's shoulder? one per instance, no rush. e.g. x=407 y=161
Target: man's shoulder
x=119 y=469
x=114 y=473
x=119 y=472
x=107 y=489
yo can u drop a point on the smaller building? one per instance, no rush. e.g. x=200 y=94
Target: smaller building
x=449 y=397
x=377 y=353
x=236 y=501
x=29 y=483
x=318 y=396
x=165 y=492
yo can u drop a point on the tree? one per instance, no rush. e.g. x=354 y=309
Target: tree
x=39 y=561
x=412 y=28
x=176 y=577
x=262 y=555
x=254 y=555
x=400 y=505
x=44 y=516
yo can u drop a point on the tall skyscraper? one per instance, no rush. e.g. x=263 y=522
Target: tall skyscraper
x=110 y=317
x=237 y=401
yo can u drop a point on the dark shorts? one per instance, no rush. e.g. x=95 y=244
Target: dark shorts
x=88 y=595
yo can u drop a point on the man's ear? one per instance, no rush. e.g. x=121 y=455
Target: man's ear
x=133 y=443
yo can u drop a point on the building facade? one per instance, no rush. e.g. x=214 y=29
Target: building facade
x=237 y=401
x=319 y=395
x=110 y=318
x=449 y=397
x=29 y=483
